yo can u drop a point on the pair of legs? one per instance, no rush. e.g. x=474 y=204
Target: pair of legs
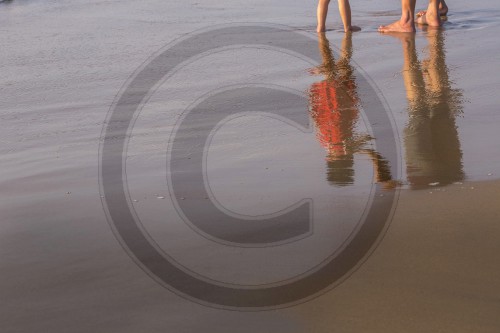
x=443 y=9
x=345 y=14
x=431 y=140
x=431 y=17
x=335 y=110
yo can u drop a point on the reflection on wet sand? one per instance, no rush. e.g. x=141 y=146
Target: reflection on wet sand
x=433 y=154
x=334 y=107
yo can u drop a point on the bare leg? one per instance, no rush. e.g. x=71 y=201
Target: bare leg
x=322 y=12
x=407 y=21
x=443 y=9
x=345 y=14
x=432 y=16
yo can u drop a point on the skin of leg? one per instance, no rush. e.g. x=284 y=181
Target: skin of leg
x=442 y=6
x=432 y=16
x=345 y=14
x=322 y=12
x=407 y=21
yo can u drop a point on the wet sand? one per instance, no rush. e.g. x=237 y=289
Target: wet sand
x=63 y=268
x=435 y=269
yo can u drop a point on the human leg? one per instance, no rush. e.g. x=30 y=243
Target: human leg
x=322 y=12
x=432 y=16
x=443 y=9
x=407 y=21
x=345 y=14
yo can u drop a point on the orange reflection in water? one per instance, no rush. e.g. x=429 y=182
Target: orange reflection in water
x=334 y=107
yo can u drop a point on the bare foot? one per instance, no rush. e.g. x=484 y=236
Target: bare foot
x=398 y=26
x=443 y=10
x=430 y=19
x=423 y=12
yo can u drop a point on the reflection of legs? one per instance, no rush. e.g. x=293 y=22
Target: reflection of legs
x=417 y=134
x=324 y=48
x=381 y=168
x=343 y=65
x=322 y=12
x=327 y=67
x=412 y=75
x=346 y=47
x=437 y=80
x=445 y=141
x=431 y=138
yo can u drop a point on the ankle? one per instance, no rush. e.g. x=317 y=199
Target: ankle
x=407 y=20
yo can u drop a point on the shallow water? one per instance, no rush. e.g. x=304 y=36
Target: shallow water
x=64 y=65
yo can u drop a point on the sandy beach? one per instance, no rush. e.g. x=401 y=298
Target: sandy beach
x=114 y=112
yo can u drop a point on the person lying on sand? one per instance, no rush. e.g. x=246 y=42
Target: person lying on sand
x=430 y=17
x=345 y=14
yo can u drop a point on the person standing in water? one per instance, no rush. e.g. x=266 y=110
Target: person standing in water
x=345 y=14
x=430 y=17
